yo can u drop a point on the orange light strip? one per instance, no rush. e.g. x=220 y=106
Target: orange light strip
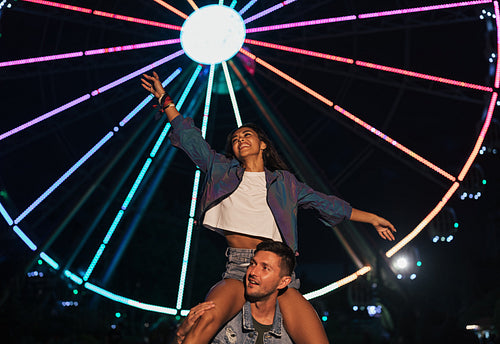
x=480 y=138
x=424 y=222
x=193 y=5
x=171 y=8
x=299 y=51
x=287 y=77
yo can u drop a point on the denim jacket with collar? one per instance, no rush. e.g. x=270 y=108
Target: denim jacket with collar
x=240 y=329
x=285 y=194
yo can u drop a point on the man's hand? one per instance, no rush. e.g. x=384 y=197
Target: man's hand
x=194 y=314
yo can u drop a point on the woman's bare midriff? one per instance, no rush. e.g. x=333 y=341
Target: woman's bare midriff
x=236 y=240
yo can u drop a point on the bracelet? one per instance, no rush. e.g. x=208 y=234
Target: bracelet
x=168 y=105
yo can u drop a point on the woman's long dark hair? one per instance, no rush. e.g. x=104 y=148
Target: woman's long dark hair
x=272 y=160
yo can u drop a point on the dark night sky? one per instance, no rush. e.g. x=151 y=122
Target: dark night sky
x=439 y=122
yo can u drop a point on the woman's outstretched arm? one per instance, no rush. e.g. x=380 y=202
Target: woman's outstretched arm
x=153 y=84
x=384 y=228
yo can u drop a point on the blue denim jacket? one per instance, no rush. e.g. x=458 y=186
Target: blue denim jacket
x=240 y=329
x=285 y=194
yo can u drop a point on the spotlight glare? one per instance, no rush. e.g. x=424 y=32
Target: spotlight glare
x=399 y=276
x=401 y=263
x=413 y=276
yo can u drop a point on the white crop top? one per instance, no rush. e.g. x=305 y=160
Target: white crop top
x=245 y=211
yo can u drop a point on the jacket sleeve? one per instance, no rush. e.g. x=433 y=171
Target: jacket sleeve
x=186 y=136
x=332 y=210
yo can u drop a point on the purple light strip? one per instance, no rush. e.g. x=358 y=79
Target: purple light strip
x=269 y=10
x=497 y=20
x=136 y=73
x=89 y=52
x=44 y=117
x=302 y=23
x=63 y=177
x=422 y=9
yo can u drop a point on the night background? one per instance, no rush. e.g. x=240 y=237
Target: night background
x=452 y=279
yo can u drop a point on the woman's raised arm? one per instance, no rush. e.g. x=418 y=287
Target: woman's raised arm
x=153 y=84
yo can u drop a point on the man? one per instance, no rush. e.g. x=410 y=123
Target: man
x=260 y=320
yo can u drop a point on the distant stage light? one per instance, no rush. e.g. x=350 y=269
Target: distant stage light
x=413 y=276
x=402 y=263
x=213 y=34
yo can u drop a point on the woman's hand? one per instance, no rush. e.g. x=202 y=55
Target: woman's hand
x=153 y=84
x=194 y=314
x=384 y=228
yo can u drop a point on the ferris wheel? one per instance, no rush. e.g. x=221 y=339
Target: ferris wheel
x=70 y=80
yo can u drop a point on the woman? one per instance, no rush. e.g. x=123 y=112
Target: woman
x=249 y=196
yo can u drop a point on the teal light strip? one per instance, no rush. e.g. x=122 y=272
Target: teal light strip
x=231 y=94
x=49 y=260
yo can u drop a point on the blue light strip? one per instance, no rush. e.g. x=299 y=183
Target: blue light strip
x=149 y=98
x=233 y=4
x=269 y=10
x=194 y=194
x=247 y=6
x=190 y=84
x=24 y=238
x=94 y=261
x=130 y=302
x=63 y=177
x=6 y=215
x=73 y=277
x=231 y=94
x=49 y=260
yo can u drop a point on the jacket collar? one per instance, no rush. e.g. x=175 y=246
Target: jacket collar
x=276 y=329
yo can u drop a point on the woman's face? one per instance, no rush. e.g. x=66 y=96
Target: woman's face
x=246 y=144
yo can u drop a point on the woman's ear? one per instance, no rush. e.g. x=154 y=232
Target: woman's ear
x=262 y=145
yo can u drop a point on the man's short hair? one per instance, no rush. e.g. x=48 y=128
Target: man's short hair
x=283 y=251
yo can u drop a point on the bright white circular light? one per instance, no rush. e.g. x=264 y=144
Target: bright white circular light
x=212 y=34
x=402 y=263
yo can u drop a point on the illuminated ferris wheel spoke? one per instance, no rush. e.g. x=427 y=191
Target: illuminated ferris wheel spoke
x=194 y=195
x=105 y=14
x=301 y=23
x=357 y=120
x=231 y=94
x=269 y=10
x=171 y=8
x=497 y=20
x=193 y=5
x=89 y=52
x=247 y=7
x=335 y=285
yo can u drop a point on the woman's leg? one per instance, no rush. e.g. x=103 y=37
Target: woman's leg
x=301 y=320
x=228 y=296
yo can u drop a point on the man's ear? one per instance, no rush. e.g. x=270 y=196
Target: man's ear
x=284 y=282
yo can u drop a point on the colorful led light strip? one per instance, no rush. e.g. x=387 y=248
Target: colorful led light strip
x=63 y=177
x=136 y=73
x=302 y=23
x=247 y=7
x=423 y=76
x=231 y=94
x=194 y=195
x=6 y=215
x=105 y=14
x=269 y=10
x=190 y=84
x=287 y=77
x=338 y=284
x=233 y=4
x=221 y=2
x=129 y=302
x=422 y=9
x=299 y=51
x=24 y=238
x=351 y=116
x=133 y=189
x=89 y=52
x=44 y=116
x=497 y=20
x=172 y=9
x=394 y=143
x=73 y=277
x=455 y=185
x=193 y=5
x=49 y=261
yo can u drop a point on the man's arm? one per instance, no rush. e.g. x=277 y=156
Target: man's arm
x=194 y=314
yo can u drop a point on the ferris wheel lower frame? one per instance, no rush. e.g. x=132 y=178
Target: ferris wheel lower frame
x=14 y=222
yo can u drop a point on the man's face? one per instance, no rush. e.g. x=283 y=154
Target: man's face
x=263 y=276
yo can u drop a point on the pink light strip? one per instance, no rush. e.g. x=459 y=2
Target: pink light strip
x=136 y=73
x=423 y=76
x=41 y=59
x=422 y=9
x=349 y=115
x=44 y=116
x=64 y=6
x=497 y=19
x=105 y=14
x=302 y=23
x=299 y=51
x=269 y=10
x=394 y=143
x=480 y=139
x=89 y=52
